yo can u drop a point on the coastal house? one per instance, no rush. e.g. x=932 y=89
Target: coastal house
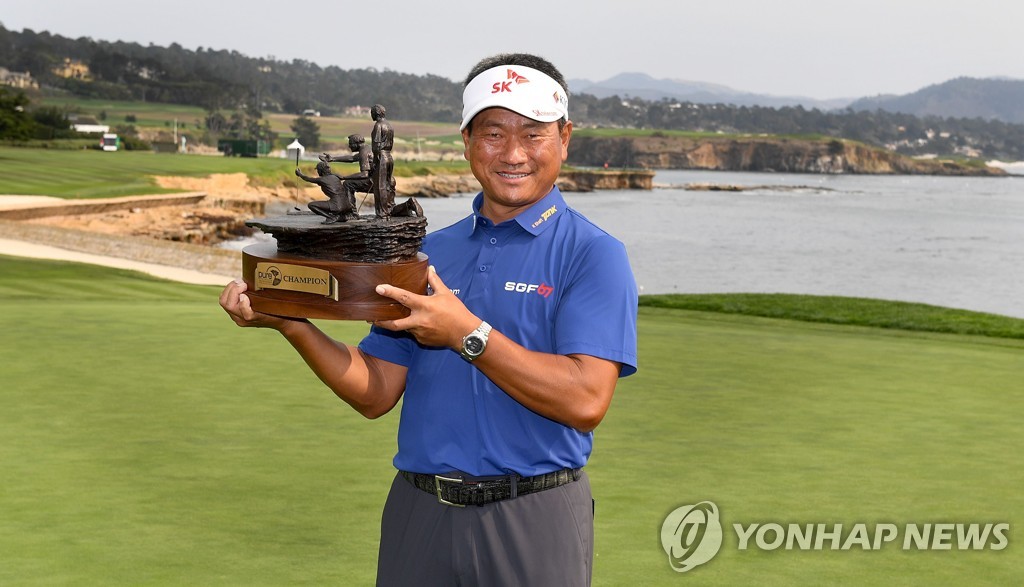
x=17 y=79
x=356 y=111
x=73 y=69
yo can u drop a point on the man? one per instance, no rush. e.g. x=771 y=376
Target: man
x=382 y=139
x=505 y=368
x=341 y=190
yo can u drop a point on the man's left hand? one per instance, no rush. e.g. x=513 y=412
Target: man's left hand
x=439 y=319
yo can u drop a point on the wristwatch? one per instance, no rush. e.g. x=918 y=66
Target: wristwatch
x=474 y=343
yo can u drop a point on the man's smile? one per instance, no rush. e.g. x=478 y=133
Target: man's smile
x=510 y=175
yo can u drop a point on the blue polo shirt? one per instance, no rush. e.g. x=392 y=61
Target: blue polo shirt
x=551 y=281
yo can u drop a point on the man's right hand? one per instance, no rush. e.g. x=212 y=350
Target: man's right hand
x=370 y=385
x=239 y=308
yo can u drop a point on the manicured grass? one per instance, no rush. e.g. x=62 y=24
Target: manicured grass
x=145 y=439
x=842 y=310
x=417 y=168
x=791 y=422
x=35 y=280
x=190 y=119
x=337 y=129
x=95 y=174
x=154 y=114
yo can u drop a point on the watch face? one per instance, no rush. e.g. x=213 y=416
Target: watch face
x=474 y=346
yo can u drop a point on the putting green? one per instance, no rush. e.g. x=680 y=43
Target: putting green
x=789 y=422
x=146 y=440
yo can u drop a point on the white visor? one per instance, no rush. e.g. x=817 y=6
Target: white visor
x=522 y=90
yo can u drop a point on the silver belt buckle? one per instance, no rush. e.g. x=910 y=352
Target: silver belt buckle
x=437 y=487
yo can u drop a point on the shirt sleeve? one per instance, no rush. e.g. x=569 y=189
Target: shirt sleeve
x=394 y=347
x=597 y=313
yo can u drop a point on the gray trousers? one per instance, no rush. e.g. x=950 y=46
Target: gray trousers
x=544 y=538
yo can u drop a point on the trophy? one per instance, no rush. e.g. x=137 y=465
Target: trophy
x=328 y=261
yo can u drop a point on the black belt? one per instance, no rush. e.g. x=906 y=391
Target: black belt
x=452 y=490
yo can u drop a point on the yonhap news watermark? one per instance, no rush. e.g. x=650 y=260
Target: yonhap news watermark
x=692 y=535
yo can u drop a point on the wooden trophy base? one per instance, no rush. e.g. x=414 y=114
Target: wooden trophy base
x=296 y=286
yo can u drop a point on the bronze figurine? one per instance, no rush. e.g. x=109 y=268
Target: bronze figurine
x=341 y=189
x=383 y=140
x=376 y=175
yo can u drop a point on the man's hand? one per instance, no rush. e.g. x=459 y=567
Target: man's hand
x=239 y=308
x=298 y=172
x=575 y=390
x=439 y=319
x=372 y=386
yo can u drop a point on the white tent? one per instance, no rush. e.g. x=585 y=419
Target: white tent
x=295 y=149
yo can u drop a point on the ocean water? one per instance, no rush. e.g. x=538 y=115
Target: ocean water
x=956 y=242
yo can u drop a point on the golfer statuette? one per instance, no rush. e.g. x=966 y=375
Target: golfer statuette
x=327 y=262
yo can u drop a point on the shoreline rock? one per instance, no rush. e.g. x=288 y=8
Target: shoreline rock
x=761 y=154
x=729 y=187
x=570 y=180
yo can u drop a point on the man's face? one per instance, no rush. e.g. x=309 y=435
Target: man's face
x=516 y=159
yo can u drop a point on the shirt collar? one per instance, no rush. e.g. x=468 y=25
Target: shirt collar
x=534 y=219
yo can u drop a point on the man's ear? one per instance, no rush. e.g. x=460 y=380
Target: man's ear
x=465 y=142
x=565 y=134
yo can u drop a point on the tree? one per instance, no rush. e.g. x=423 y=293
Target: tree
x=307 y=131
x=51 y=123
x=15 y=122
x=260 y=129
x=130 y=138
x=215 y=121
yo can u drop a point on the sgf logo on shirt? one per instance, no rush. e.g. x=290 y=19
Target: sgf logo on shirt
x=529 y=288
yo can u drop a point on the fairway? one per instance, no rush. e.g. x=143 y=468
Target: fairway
x=77 y=174
x=144 y=439
x=96 y=174
x=147 y=114
x=435 y=137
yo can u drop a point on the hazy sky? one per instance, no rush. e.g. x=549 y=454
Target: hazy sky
x=784 y=47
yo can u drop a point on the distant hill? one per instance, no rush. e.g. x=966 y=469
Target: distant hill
x=962 y=118
x=219 y=79
x=963 y=97
x=641 y=85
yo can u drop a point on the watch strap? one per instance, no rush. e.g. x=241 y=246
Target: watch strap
x=481 y=334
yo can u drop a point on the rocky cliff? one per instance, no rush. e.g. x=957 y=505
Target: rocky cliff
x=587 y=180
x=757 y=154
x=570 y=180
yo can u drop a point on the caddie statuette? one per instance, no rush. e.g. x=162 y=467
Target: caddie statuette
x=328 y=261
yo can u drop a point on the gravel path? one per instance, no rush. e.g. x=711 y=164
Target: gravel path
x=188 y=263
x=170 y=260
